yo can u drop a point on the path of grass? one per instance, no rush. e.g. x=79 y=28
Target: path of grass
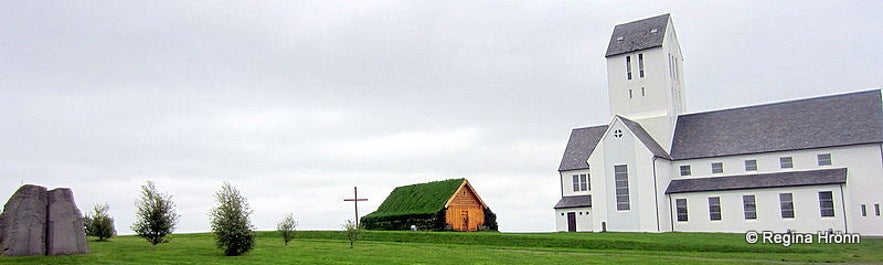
x=329 y=247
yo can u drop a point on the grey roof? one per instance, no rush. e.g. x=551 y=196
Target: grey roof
x=636 y=35
x=645 y=137
x=581 y=144
x=759 y=181
x=839 y=120
x=574 y=202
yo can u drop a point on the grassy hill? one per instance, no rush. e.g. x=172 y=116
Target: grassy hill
x=401 y=247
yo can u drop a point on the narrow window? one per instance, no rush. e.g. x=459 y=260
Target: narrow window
x=877 y=209
x=826 y=204
x=643 y=94
x=749 y=207
x=786 y=162
x=641 y=65
x=628 y=67
x=824 y=159
x=717 y=167
x=714 y=208
x=587 y=182
x=685 y=170
x=864 y=210
x=621 y=175
x=786 y=205
x=751 y=165
x=682 y=209
x=671 y=68
x=582 y=182
x=575 y=182
x=630 y=93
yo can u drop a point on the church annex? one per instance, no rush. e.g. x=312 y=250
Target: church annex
x=439 y=205
x=805 y=165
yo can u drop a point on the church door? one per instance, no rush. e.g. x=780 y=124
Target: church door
x=571 y=222
x=465 y=216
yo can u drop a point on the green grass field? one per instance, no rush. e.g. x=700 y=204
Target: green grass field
x=330 y=247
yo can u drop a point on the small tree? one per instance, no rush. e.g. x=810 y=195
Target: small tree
x=99 y=223
x=286 y=227
x=156 y=216
x=353 y=232
x=230 y=222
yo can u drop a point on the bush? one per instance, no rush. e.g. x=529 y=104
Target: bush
x=156 y=217
x=99 y=223
x=230 y=222
x=352 y=231
x=286 y=227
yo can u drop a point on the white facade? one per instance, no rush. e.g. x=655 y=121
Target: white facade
x=629 y=178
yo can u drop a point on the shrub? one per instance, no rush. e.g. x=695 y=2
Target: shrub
x=286 y=227
x=156 y=217
x=99 y=223
x=230 y=222
x=352 y=231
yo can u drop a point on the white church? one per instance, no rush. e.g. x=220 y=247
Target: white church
x=805 y=165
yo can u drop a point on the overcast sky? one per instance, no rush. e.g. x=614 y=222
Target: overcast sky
x=296 y=102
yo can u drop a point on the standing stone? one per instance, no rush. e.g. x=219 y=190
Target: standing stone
x=66 y=232
x=23 y=223
x=40 y=222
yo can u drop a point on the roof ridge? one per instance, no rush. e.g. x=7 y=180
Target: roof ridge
x=787 y=101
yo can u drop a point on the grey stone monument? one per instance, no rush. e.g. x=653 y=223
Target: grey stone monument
x=40 y=222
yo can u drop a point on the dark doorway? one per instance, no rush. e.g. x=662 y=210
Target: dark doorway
x=571 y=222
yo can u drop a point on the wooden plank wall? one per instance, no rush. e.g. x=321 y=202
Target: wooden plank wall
x=465 y=200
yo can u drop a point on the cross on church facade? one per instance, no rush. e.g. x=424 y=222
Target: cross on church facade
x=356 y=201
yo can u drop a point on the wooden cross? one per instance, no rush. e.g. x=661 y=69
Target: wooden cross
x=356 y=201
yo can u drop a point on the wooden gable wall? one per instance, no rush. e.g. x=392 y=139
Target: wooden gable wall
x=465 y=210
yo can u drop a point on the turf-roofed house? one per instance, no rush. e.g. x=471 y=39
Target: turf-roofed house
x=439 y=205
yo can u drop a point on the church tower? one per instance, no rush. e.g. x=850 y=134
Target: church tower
x=645 y=76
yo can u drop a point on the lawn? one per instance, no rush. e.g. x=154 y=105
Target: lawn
x=330 y=247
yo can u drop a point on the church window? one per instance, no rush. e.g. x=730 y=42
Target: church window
x=786 y=162
x=585 y=182
x=641 y=65
x=751 y=165
x=714 y=208
x=749 y=207
x=617 y=133
x=630 y=94
x=826 y=204
x=786 y=205
x=717 y=167
x=864 y=210
x=685 y=170
x=824 y=159
x=628 y=67
x=621 y=176
x=682 y=209
x=877 y=209
x=580 y=182
x=642 y=92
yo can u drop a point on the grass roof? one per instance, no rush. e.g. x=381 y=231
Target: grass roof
x=423 y=198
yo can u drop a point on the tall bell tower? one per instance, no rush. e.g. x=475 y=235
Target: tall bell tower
x=645 y=75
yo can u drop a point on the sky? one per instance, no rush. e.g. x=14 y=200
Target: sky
x=296 y=102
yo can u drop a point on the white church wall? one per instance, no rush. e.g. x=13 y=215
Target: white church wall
x=620 y=151
x=598 y=169
x=807 y=216
x=663 y=178
x=583 y=219
x=645 y=199
x=864 y=165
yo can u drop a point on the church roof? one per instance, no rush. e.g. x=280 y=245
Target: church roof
x=830 y=121
x=574 y=202
x=581 y=144
x=645 y=138
x=422 y=198
x=759 y=181
x=637 y=35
